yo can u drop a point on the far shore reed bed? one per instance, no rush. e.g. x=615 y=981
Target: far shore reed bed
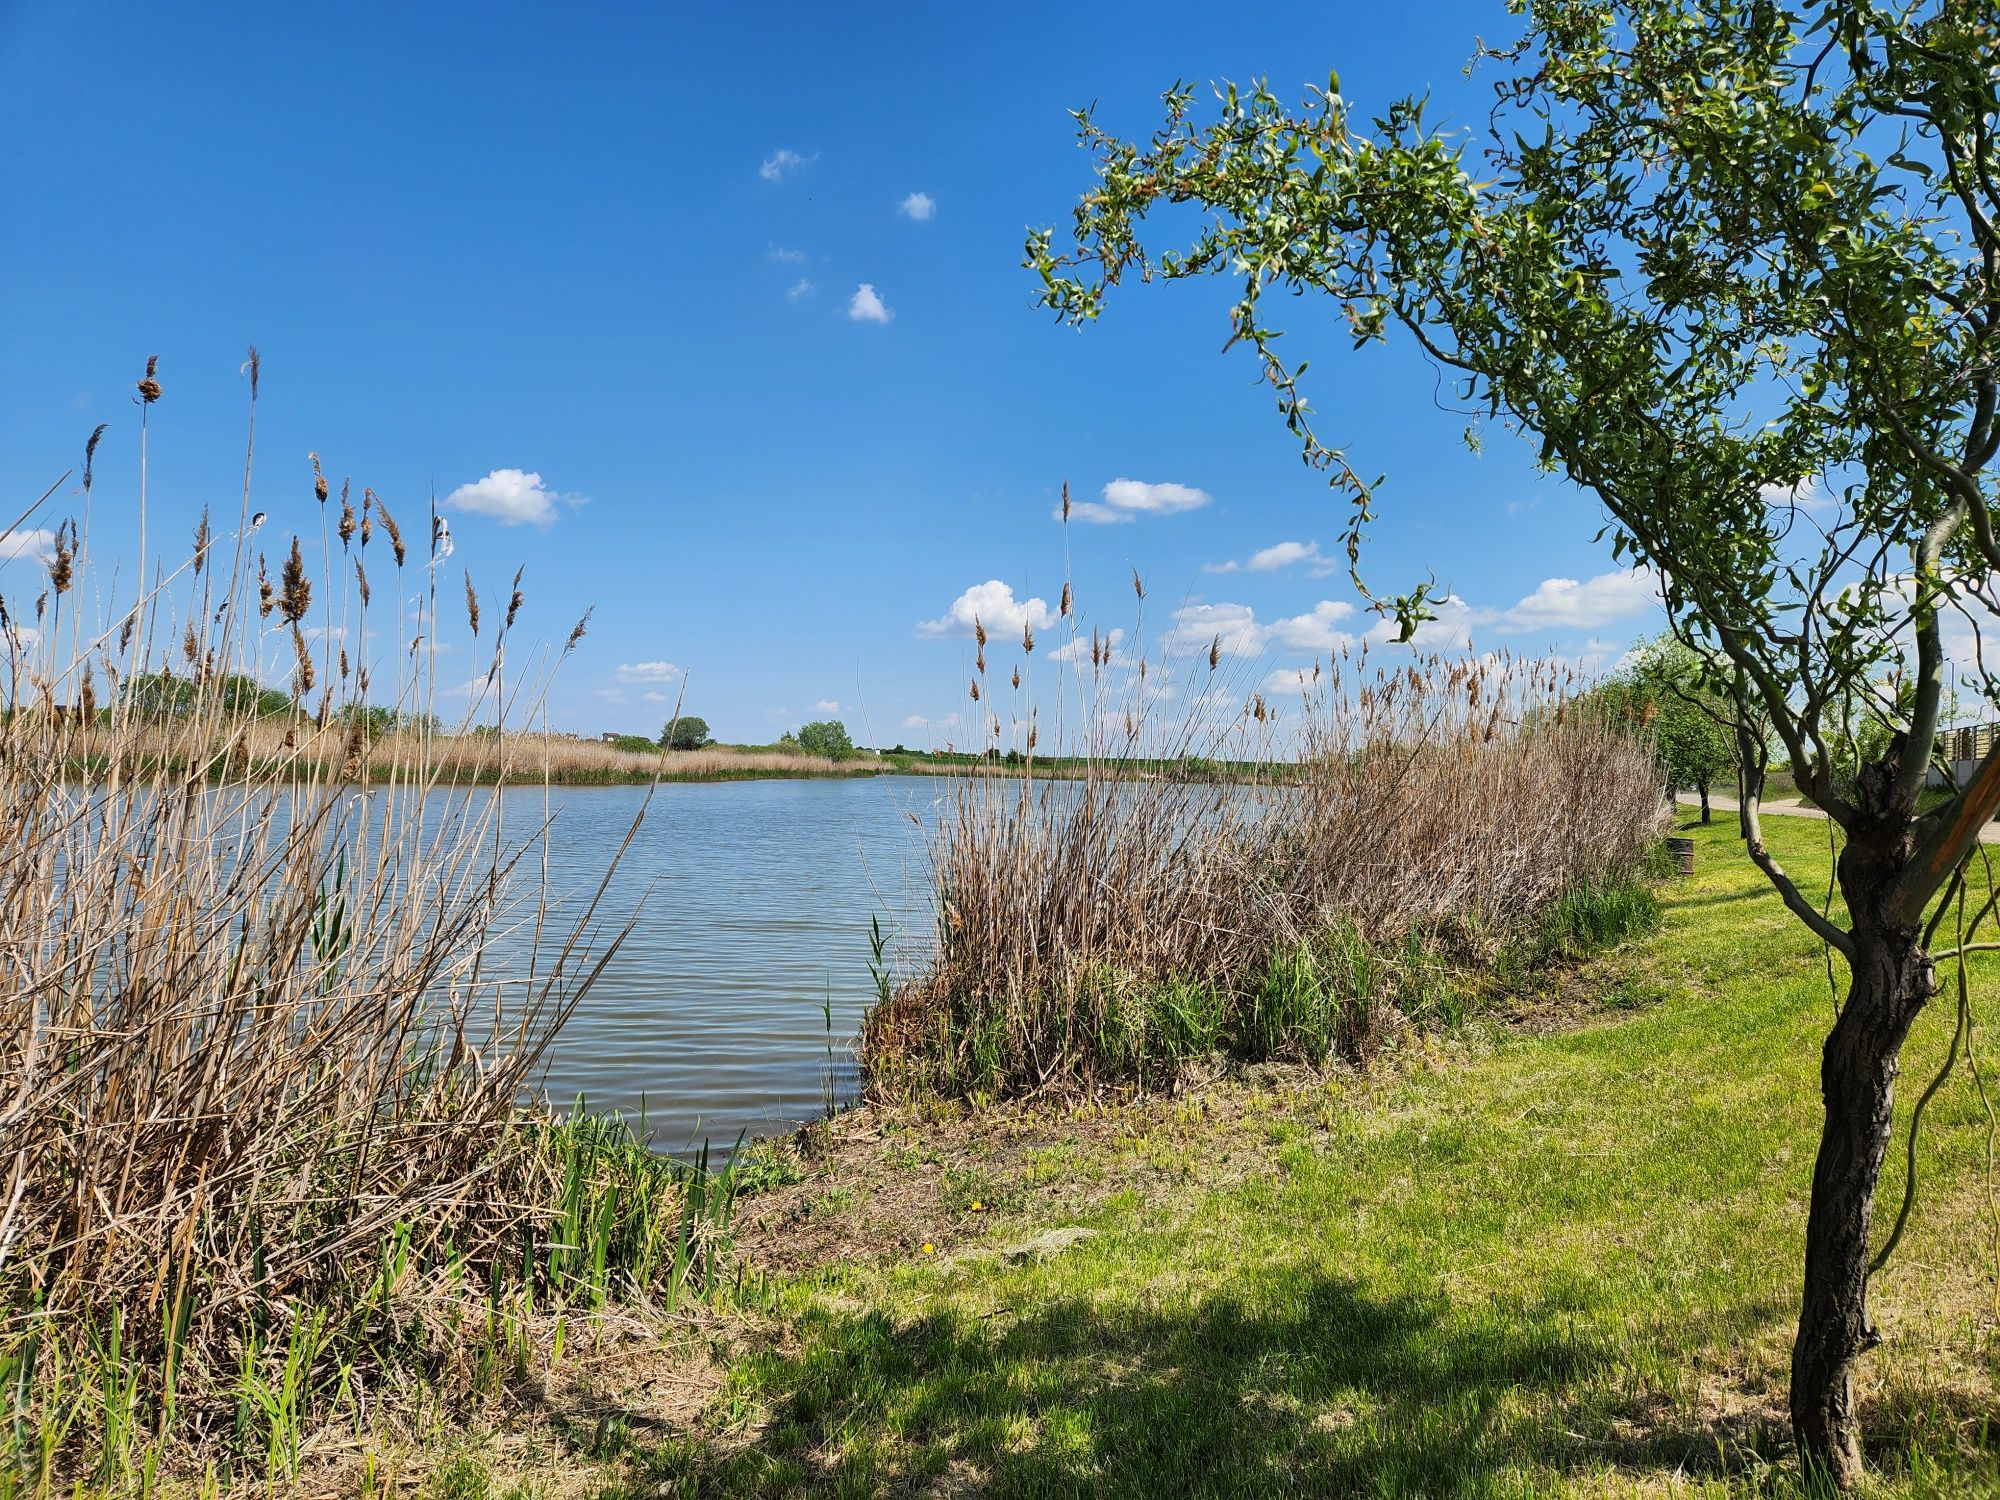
x=1429 y=822
x=461 y=755
x=265 y=1164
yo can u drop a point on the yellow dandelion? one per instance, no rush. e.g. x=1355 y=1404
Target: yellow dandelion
x=929 y=1248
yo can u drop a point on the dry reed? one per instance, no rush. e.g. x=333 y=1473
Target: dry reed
x=1265 y=871
x=258 y=1080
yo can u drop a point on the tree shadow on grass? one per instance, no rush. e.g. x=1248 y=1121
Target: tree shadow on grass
x=1332 y=1390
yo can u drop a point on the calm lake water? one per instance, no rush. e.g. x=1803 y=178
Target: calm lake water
x=753 y=900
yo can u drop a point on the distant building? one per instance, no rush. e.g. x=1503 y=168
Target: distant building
x=1961 y=750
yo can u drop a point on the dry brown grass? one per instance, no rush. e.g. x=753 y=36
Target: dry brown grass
x=1109 y=927
x=260 y=1082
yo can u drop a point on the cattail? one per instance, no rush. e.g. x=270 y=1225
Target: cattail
x=202 y=537
x=1138 y=588
x=90 y=454
x=265 y=601
x=1027 y=637
x=319 y=479
x=361 y=581
x=1065 y=502
x=1215 y=653
x=88 y=696
x=979 y=661
x=149 y=388
x=979 y=632
x=295 y=592
x=254 y=364
x=346 y=527
x=190 y=646
x=975 y=690
x=1017 y=678
x=1066 y=600
x=514 y=604
x=125 y=632
x=577 y=634
x=343 y=664
x=471 y=605
x=389 y=525
x=367 y=514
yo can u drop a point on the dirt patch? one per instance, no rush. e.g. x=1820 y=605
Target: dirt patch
x=882 y=1182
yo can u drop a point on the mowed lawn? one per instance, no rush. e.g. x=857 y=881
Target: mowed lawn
x=1539 y=1259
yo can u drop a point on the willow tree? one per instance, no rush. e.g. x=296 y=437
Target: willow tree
x=1734 y=267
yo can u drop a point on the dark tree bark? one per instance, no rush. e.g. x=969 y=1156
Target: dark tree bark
x=1892 y=980
x=1702 y=787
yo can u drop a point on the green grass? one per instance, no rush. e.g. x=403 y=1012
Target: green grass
x=1543 y=1264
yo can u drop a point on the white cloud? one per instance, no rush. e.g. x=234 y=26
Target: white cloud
x=803 y=287
x=918 y=721
x=1279 y=555
x=1809 y=495
x=1450 y=631
x=1313 y=631
x=1234 y=630
x=647 y=671
x=785 y=257
x=611 y=695
x=826 y=706
x=993 y=605
x=1298 y=680
x=511 y=496
x=1566 y=604
x=475 y=688
x=657 y=697
x=783 y=163
x=1126 y=498
x=866 y=307
x=1231 y=627
x=1079 y=649
x=1556 y=604
x=918 y=206
x=38 y=544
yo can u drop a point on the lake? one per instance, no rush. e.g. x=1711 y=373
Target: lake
x=753 y=899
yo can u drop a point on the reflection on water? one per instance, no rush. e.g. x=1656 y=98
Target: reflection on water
x=753 y=901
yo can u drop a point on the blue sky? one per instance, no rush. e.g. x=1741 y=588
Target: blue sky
x=623 y=249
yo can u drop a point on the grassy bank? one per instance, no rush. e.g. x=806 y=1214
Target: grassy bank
x=1555 y=1255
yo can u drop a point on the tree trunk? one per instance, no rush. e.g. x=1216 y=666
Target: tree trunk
x=1702 y=787
x=1891 y=982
